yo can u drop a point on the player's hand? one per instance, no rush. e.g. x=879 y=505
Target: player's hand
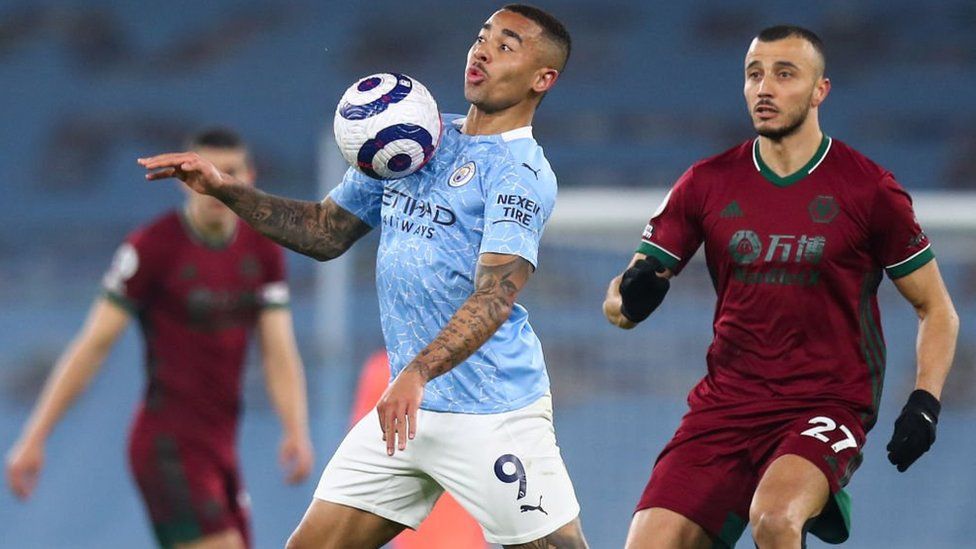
x=612 y=304
x=397 y=409
x=914 y=429
x=296 y=457
x=198 y=174
x=24 y=463
x=642 y=288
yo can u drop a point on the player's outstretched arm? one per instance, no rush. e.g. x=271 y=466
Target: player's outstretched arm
x=938 y=328
x=498 y=280
x=71 y=375
x=285 y=380
x=321 y=230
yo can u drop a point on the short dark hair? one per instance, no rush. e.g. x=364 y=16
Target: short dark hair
x=552 y=28
x=215 y=138
x=779 y=32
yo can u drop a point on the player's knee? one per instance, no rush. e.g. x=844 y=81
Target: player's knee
x=772 y=527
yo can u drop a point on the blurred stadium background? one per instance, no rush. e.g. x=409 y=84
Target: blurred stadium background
x=87 y=86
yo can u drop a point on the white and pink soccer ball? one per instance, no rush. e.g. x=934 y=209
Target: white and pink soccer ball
x=387 y=125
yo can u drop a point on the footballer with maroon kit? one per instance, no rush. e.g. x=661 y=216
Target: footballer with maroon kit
x=798 y=229
x=199 y=282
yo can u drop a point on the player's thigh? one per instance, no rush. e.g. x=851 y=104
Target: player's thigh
x=505 y=469
x=228 y=539
x=791 y=492
x=362 y=476
x=328 y=525
x=814 y=459
x=659 y=528
x=569 y=536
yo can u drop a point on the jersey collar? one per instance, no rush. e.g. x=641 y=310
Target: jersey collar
x=214 y=243
x=525 y=132
x=806 y=170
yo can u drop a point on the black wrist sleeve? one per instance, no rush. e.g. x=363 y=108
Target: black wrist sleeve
x=641 y=290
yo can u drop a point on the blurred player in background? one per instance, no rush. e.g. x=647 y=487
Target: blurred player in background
x=798 y=228
x=470 y=389
x=198 y=281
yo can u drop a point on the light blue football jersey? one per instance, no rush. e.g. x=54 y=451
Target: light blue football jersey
x=478 y=194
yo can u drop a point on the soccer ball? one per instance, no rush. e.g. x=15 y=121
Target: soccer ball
x=387 y=125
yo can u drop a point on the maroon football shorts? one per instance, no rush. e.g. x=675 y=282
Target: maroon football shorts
x=190 y=491
x=710 y=469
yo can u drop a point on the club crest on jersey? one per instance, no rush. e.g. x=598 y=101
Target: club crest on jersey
x=823 y=209
x=462 y=175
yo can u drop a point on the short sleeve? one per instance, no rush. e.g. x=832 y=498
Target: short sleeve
x=130 y=279
x=360 y=195
x=274 y=291
x=516 y=210
x=898 y=242
x=674 y=231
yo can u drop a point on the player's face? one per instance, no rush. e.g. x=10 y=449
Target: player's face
x=504 y=63
x=234 y=162
x=783 y=83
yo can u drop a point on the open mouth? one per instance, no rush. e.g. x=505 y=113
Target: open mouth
x=475 y=75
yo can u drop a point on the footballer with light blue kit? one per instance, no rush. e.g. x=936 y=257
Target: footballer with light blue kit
x=461 y=204
x=477 y=194
x=443 y=200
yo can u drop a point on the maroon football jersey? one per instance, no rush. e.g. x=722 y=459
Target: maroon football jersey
x=196 y=303
x=796 y=262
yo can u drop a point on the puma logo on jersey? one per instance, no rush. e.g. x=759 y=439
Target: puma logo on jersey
x=730 y=211
x=534 y=172
x=525 y=508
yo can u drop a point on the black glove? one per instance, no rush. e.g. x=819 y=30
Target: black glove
x=914 y=429
x=641 y=290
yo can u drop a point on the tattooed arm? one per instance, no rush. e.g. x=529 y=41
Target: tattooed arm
x=498 y=280
x=321 y=230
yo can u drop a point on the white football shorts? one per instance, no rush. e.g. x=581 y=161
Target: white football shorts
x=505 y=469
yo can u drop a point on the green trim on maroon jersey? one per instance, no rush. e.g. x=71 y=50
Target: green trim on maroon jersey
x=122 y=301
x=834 y=523
x=732 y=530
x=664 y=257
x=911 y=264
x=788 y=180
x=872 y=344
x=214 y=243
x=172 y=534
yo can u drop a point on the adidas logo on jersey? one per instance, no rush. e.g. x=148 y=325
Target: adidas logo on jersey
x=732 y=210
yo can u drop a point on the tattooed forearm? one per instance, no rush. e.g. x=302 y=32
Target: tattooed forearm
x=319 y=230
x=496 y=287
